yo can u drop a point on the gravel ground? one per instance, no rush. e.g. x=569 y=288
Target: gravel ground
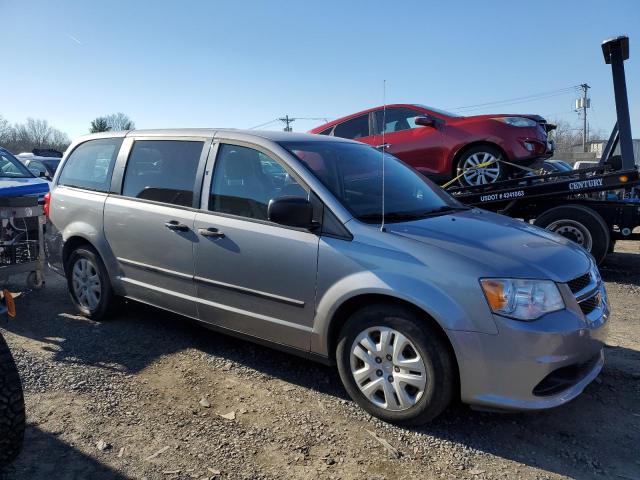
x=150 y=395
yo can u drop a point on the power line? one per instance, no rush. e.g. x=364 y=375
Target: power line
x=287 y=120
x=523 y=99
x=265 y=124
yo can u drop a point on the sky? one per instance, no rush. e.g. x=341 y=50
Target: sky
x=244 y=63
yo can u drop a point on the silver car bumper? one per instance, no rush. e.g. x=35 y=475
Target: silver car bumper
x=532 y=365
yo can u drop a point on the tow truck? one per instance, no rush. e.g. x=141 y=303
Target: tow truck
x=594 y=206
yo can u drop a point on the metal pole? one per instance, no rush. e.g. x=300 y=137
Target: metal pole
x=622 y=105
x=584 y=87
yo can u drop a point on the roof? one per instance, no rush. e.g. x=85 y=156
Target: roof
x=275 y=136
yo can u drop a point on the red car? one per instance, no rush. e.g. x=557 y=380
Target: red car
x=442 y=145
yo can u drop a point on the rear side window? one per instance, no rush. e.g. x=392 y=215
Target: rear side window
x=163 y=171
x=90 y=165
x=355 y=128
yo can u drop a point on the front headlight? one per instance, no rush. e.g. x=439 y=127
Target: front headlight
x=517 y=121
x=522 y=299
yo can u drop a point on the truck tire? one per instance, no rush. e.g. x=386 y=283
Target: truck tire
x=395 y=365
x=12 y=416
x=580 y=224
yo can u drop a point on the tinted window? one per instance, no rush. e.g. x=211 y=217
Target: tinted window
x=52 y=165
x=244 y=180
x=90 y=165
x=355 y=128
x=326 y=131
x=397 y=119
x=163 y=171
x=353 y=173
x=37 y=165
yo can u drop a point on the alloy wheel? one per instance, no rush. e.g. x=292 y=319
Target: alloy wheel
x=388 y=368
x=87 y=286
x=474 y=175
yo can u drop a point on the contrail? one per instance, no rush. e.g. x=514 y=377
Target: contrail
x=73 y=38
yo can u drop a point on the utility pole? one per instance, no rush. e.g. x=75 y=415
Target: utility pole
x=287 y=122
x=583 y=103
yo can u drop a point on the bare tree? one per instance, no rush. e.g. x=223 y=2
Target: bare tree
x=34 y=133
x=5 y=130
x=566 y=136
x=119 y=121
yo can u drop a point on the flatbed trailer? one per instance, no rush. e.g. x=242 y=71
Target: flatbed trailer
x=594 y=207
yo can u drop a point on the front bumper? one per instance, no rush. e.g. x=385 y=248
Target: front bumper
x=520 y=367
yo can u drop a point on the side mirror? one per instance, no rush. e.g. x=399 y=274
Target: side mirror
x=425 y=121
x=291 y=211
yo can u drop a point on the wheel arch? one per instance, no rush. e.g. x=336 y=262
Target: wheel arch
x=468 y=146
x=355 y=303
x=71 y=244
x=77 y=239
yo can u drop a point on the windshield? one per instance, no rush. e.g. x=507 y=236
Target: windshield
x=10 y=166
x=353 y=173
x=440 y=111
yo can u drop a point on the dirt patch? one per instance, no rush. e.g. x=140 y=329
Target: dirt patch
x=152 y=395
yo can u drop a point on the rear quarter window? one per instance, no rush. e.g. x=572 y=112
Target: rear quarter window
x=90 y=165
x=354 y=128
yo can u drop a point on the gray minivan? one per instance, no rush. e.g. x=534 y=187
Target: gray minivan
x=279 y=237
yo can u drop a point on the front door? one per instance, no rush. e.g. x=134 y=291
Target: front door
x=253 y=276
x=421 y=147
x=149 y=226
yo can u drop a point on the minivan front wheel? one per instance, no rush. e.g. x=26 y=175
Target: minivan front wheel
x=89 y=285
x=395 y=365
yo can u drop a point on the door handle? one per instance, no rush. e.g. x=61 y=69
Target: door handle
x=176 y=226
x=384 y=145
x=210 y=232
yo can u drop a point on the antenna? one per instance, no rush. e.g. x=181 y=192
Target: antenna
x=384 y=146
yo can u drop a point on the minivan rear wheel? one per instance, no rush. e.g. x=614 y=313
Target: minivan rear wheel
x=89 y=285
x=395 y=365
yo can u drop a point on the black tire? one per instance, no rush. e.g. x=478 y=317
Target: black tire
x=107 y=302
x=567 y=218
x=480 y=151
x=12 y=415
x=440 y=370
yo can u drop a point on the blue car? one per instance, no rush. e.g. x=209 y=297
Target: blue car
x=16 y=180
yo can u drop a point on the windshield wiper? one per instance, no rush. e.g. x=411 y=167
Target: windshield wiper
x=447 y=209
x=409 y=216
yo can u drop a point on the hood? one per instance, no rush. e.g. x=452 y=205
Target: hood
x=499 y=246
x=540 y=120
x=18 y=187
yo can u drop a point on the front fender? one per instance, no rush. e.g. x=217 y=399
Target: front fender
x=434 y=301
